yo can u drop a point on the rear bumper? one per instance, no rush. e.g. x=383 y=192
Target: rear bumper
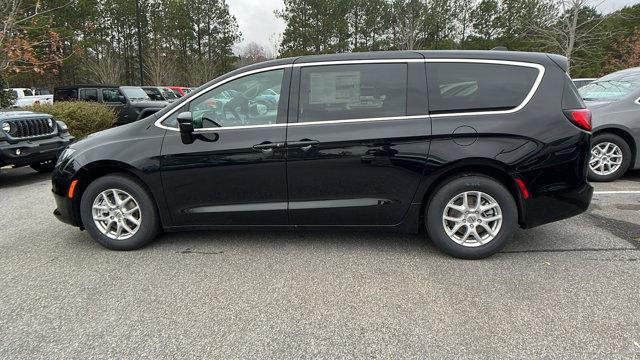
x=33 y=151
x=557 y=205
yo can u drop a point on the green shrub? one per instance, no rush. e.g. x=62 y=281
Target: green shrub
x=82 y=118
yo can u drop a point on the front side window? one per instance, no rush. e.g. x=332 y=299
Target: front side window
x=110 y=95
x=343 y=92
x=236 y=103
x=467 y=87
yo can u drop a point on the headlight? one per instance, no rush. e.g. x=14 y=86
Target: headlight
x=62 y=126
x=6 y=127
x=65 y=155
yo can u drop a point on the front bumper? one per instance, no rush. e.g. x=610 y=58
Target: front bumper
x=64 y=210
x=557 y=205
x=33 y=151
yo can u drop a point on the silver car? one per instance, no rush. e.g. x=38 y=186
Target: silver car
x=614 y=101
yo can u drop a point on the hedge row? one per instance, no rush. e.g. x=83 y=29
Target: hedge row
x=82 y=118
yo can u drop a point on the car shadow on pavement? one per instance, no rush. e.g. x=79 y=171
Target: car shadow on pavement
x=219 y=242
x=12 y=177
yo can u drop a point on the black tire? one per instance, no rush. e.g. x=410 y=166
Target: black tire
x=451 y=188
x=44 y=167
x=626 y=157
x=149 y=220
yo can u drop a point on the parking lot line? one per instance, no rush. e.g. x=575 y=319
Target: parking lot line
x=616 y=192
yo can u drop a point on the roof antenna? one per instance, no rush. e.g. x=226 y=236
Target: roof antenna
x=500 y=48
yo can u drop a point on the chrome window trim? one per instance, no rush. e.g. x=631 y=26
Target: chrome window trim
x=525 y=102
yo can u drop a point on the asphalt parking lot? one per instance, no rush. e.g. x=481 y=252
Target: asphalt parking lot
x=564 y=290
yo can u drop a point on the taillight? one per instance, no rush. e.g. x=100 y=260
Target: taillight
x=580 y=118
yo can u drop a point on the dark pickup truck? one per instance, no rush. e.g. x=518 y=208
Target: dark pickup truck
x=131 y=103
x=31 y=138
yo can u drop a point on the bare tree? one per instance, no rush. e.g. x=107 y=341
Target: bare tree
x=576 y=28
x=159 y=67
x=201 y=71
x=254 y=53
x=407 y=30
x=104 y=67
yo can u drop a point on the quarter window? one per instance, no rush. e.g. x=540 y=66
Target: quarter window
x=342 y=92
x=461 y=87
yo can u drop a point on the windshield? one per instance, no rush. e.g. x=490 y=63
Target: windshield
x=607 y=90
x=134 y=93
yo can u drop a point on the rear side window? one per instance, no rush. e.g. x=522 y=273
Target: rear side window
x=468 y=87
x=341 y=92
x=89 y=94
x=65 y=94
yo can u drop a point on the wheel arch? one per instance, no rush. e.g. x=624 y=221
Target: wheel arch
x=92 y=171
x=483 y=167
x=625 y=135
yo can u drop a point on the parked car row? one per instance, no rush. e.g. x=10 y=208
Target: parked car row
x=131 y=103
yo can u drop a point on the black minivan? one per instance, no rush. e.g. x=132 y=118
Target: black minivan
x=467 y=144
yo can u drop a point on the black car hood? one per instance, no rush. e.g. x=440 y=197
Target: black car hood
x=114 y=134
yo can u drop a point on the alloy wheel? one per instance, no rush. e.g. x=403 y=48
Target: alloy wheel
x=472 y=218
x=116 y=214
x=606 y=158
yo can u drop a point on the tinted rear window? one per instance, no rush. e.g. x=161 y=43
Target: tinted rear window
x=65 y=94
x=341 y=92
x=463 y=87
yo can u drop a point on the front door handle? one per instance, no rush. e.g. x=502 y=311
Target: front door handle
x=268 y=146
x=304 y=144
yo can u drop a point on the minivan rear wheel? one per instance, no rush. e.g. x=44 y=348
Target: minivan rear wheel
x=119 y=213
x=610 y=157
x=471 y=217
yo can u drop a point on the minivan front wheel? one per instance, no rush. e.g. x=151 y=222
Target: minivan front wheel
x=610 y=157
x=471 y=217
x=119 y=213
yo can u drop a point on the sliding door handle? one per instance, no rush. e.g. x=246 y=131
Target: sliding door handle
x=304 y=144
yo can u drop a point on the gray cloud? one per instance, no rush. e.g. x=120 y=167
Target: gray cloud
x=257 y=21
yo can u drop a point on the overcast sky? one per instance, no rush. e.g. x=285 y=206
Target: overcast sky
x=259 y=24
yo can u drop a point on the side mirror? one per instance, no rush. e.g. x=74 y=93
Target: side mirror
x=185 y=123
x=122 y=99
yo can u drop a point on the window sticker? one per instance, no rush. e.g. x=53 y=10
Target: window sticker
x=335 y=87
